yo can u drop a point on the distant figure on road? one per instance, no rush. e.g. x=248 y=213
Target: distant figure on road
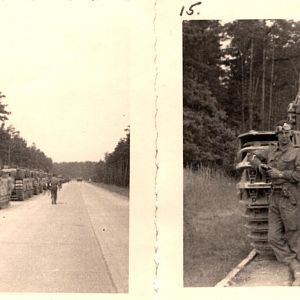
x=54 y=181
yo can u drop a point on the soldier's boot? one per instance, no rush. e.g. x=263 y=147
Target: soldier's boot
x=289 y=280
x=295 y=271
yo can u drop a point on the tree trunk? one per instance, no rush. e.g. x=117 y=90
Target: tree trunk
x=250 y=100
x=125 y=173
x=262 y=112
x=242 y=95
x=271 y=90
x=255 y=88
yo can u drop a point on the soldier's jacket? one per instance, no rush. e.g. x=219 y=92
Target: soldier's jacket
x=287 y=161
x=54 y=183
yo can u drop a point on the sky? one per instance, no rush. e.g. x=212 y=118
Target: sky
x=64 y=68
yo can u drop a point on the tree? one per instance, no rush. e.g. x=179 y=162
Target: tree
x=207 y=140
x=85 y=169
x=261 y=53
x=115 y=169
x=3 y=112
x=13 y=148
x=236 y=76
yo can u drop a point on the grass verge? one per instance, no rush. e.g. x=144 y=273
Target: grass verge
x=215 y=240
x=124 y=191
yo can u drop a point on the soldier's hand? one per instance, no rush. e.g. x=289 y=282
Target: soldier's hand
x=274 y=173
x=263 y=168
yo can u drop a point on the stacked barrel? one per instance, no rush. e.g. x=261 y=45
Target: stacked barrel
x=23 y=185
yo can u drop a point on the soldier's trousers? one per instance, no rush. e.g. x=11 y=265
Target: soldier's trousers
x=53 y=195
x=284 y=227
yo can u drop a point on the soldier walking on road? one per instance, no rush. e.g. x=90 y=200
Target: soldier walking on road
x=53 y=188
x=282 y=164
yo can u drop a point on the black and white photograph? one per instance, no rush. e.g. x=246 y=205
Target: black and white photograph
x=241 y=138
x=149 y=149
x=64 y=147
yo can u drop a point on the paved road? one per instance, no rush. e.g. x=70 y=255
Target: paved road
x=78 y=245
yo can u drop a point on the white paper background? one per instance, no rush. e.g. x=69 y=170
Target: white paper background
x=169 y=121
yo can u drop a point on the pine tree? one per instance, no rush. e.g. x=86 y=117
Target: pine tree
x=207 y=140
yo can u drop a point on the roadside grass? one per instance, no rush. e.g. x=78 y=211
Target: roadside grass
x=215 y=240
x=123 y=191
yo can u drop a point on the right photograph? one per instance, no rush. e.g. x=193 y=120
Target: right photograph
x=241 y=152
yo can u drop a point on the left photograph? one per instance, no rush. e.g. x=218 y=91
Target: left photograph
x=64 y=148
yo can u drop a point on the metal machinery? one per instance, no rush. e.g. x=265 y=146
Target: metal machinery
x=20 y=184
x=28 y=184
x=23 y=185
x=40 y=181
x=6 y=186
x=255 y=188
x=44 y=181
x=40 y=176
x=37 y=182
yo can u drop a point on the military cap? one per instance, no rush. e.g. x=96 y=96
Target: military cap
x=283 y=125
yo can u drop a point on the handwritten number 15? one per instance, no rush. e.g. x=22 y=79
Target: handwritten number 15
x=190 y=10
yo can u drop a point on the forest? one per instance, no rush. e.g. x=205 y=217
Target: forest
x=14 y=150
x=114 y=169
x=237 y=76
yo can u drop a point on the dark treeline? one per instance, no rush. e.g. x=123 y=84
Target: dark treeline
x=114 y=169
x=14 y=150
x=237 y=76
x=85 y=170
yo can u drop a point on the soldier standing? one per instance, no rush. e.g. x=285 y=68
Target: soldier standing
x=282 y=165
x=53 y=188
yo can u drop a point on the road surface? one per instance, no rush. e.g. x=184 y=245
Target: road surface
x=263 y=270
x=78 y=245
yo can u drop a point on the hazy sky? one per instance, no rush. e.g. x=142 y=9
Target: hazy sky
x=64 y=68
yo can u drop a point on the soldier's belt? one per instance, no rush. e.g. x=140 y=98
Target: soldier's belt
x=281 y=189
x=277 y=187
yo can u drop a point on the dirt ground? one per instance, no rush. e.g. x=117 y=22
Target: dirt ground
x=263 y=270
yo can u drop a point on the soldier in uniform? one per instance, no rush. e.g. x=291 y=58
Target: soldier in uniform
x=282 y=165
x=53 y=188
